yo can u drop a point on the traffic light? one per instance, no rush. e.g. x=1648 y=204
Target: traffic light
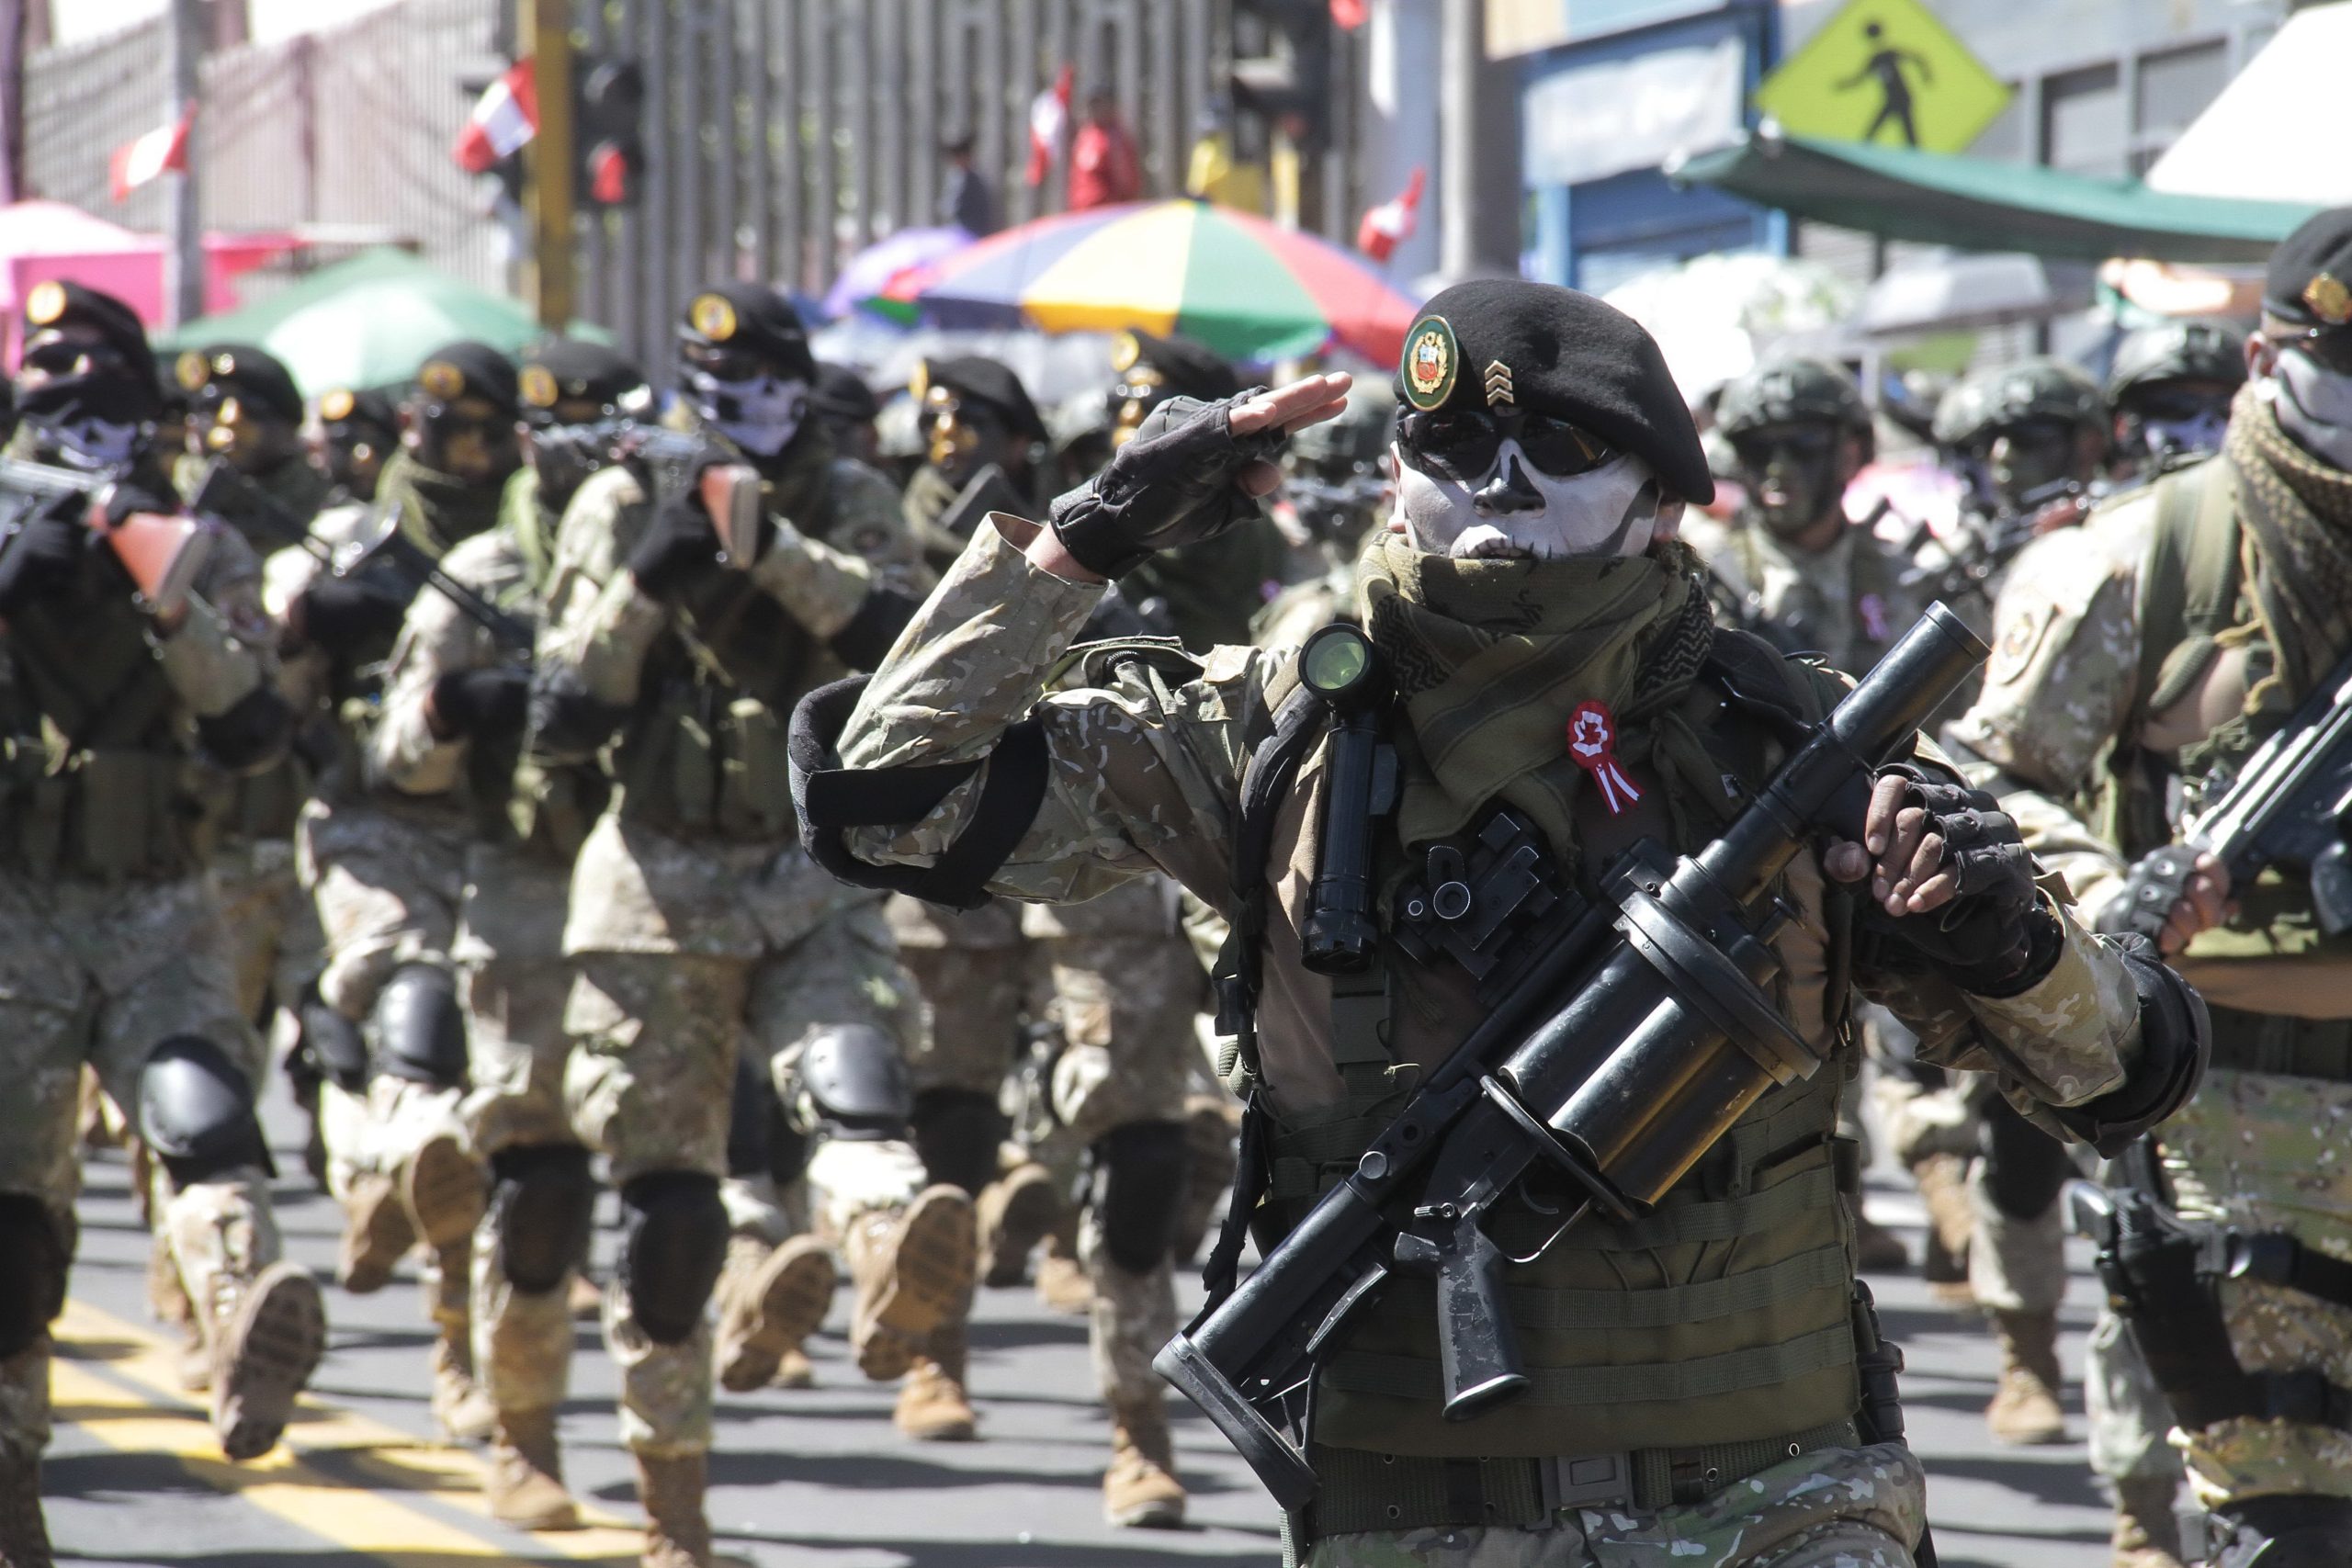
x=1288 y=86
x=612 y=154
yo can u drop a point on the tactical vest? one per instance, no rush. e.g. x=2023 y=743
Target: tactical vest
x=1708 y=1339
x=543 y=808
x=100 y=783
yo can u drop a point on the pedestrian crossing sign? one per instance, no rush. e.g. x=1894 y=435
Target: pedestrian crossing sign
x=1884 y=72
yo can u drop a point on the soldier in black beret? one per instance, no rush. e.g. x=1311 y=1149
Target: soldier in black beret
x=244 y=409
x=745 y=368
x=579 y=398
x=461 y=439
x=974 y=418
x=86 y=391
x=2304 y=353
x=354 y=431
x=1153 y=369
x=848 y=408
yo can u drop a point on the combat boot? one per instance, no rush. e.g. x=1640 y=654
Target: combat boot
x=793 y=1370
x=677 y=1530
x=523 y=1482
x=2025 y=1407
x=461 y=1406
x=1017 y=1211
x=268 y=1338
x=1140 y=1490
x=376 y=1233
x=1942 y=1180
x=913 y=1272
x=770 y=1299
x=2147 y=1532
x=24 y=1534
x=933 y=1404
x=1063 y=1283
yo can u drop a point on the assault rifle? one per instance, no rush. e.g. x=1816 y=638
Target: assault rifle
x=1637 y=1031
x=2289 y=806
x=1988 y=542
x=730 y=491
x=224 y=492
x=163 y=553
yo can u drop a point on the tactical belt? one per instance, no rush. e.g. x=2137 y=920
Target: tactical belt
x=2273 y=1043
x=1363 y=1491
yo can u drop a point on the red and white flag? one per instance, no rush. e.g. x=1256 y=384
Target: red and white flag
x=1048 y=117
x=1392 y=222
x=505 y=117
x=160 y=151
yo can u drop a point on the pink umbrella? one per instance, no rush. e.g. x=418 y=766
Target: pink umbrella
x=874 y=268
x=43 y=240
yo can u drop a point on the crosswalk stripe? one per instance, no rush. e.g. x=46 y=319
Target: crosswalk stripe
x=306 y=1480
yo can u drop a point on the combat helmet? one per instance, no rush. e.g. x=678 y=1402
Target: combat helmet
x=1796 y=390
x=2175 y=351
x=1356 y=440
x=2035 y=389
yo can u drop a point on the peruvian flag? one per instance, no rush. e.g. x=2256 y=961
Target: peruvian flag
x=505 y=117
x=1048 y=117
x=1389 y=224
x=160 y=151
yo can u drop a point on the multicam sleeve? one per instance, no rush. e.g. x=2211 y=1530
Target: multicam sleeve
x=437 y=639
x=598 y=624
x=226 y=647
x=1142 y=773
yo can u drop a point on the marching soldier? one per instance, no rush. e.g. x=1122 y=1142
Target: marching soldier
x=1524 y=574
x=354 y=433
x=971 y=414
x=114 y=949
x=2139 y=662
x=2170 y=387
x=243 y=408
x=2030 y=439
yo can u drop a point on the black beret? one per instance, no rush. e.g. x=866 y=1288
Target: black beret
x=986 y=381
x=347 y=405
x=842 y=393
x=561 y=369
x=61 y=302
x=2310 y=272
x=753 y=317
x=469 y=369
x=1561 y=353
x=240 y=370
x=1190 y=370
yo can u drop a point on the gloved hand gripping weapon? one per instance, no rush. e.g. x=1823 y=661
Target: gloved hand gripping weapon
x=1615 y=1058
x=163 y=552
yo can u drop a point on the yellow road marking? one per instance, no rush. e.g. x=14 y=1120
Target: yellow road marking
x=159 y=1418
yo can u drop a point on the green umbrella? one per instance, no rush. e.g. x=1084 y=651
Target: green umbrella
x=370 y=322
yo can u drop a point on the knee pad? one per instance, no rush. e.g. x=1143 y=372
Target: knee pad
x=958 y=1133
x=420 y=1032
x=858 y=1082
x=331 y=1042
x=32 y=1287
x=544 y=1199
x=2285 y=1531
x=1141 y=1170
x=748 y=1117
x=673 y=1243
x=2024 y=1167
x=196 y=1112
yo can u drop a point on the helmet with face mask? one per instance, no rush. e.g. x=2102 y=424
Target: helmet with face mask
x=2024 y=427
x=87 y=379
x=744 y=366
x=2307 y=320
x=577 y=399
x=1539 y=422
x=2171 y=387
x=1787 y=422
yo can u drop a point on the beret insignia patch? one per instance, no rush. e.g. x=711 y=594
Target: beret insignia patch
x=337 y=405
x=442 y=379
x=2330 y=301
x=713 y=315
x=538 y=386
x=190 y=371
x=1125 y=351
x=45 y=303
x=1432 y=361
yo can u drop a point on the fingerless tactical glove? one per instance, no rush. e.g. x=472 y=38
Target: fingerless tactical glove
x=1996 y=938
x=1172 y=484
x=680 y=544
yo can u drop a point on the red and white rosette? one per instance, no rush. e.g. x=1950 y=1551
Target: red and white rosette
x=1593 y=741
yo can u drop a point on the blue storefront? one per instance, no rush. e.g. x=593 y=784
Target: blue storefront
x=1612 y=89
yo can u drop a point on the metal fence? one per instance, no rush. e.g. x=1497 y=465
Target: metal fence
x=781 y=135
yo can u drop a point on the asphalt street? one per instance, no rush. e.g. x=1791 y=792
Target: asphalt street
x=813 y=1477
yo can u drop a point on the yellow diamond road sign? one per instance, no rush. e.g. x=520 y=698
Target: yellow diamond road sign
x=1886 y=72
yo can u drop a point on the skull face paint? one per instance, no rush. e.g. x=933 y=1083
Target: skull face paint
x=1515 y=511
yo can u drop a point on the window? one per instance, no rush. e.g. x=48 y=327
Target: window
x=2175 y=88
x=2083 y=129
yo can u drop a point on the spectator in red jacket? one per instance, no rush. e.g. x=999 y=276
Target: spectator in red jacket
x=1103 y=166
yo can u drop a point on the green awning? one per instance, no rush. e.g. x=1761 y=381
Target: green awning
x=1978 y=205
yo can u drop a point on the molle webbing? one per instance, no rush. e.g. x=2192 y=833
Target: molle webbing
x=1658 y=1383
x=1532 y=1307
x=2274 y=1042
x=1364 y=1491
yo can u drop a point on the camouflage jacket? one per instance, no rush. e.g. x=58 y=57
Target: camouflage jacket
x=1846 y=601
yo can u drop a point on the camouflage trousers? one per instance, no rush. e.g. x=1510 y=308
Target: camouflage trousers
x=274 y=938
x=1834 y=1508
x=2014 y=1264
x=648 y=1081
x=2266 y=1152
x=100 y=976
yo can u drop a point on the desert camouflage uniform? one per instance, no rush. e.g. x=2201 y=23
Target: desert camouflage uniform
x=99 y=967
x=2250 y=1150
x=1143 y=776
x=689 y=946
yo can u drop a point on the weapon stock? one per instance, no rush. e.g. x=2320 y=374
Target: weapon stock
x=730 y=491
x=163 y=552
x=1619 y=1055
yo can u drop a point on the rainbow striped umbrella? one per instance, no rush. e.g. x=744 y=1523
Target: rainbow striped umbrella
x=1234 y=283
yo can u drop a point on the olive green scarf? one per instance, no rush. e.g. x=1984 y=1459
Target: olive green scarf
x=436 y=510
x=1491 y=657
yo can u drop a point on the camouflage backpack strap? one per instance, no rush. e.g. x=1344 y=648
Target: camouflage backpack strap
x=2191 y=587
